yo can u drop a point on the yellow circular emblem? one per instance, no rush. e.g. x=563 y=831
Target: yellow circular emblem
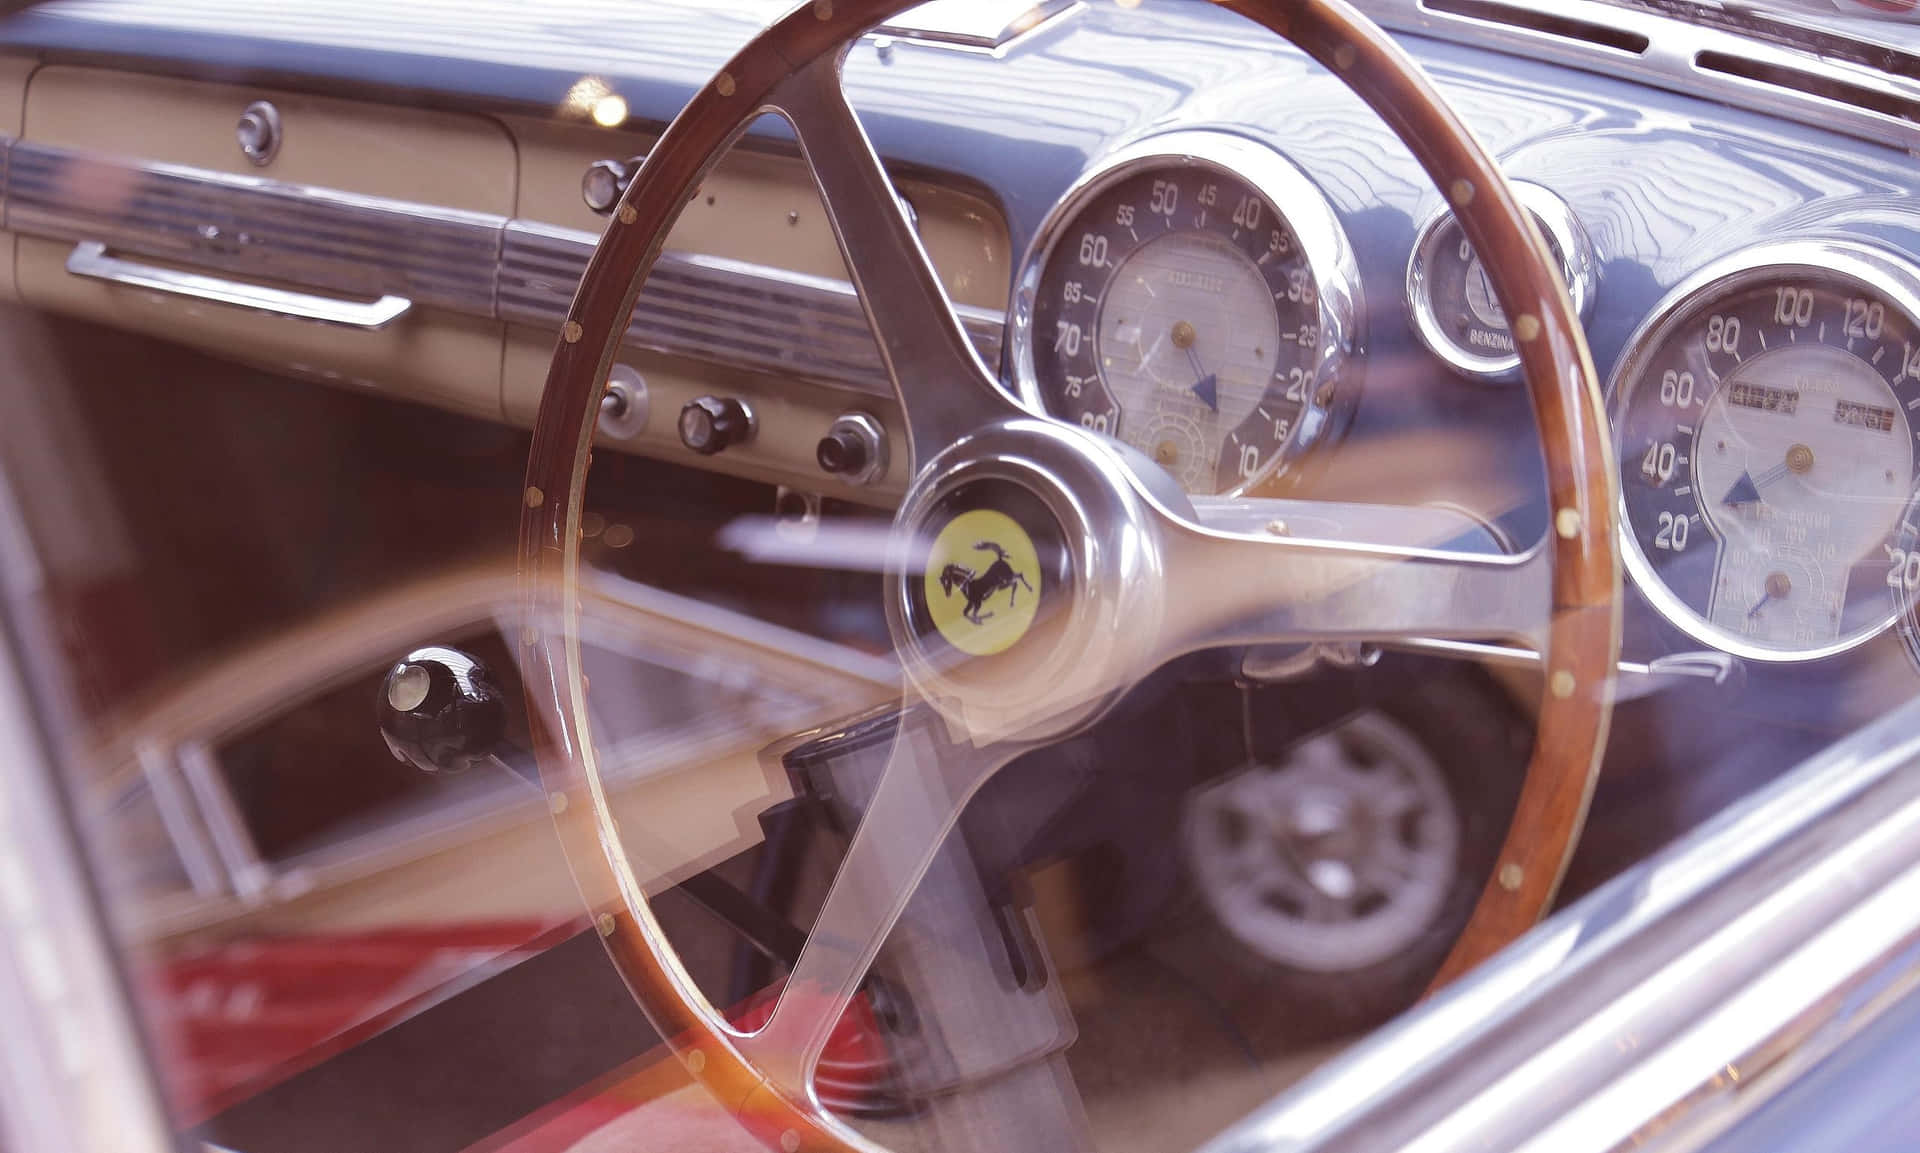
x=983 y=582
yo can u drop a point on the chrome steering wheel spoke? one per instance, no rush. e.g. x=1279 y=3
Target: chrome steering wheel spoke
x=946 y=391
x=928 y=779
x=1277 y=590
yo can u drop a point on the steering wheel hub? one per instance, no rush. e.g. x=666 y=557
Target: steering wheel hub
x=1025 y=573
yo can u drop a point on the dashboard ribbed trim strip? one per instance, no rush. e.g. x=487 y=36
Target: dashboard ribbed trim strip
x=727 y=311
x=260 y=229
x=719 y=309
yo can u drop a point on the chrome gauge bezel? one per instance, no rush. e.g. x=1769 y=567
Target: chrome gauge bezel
x=1579 y=268
x=1299 y=201
x=1830 y=259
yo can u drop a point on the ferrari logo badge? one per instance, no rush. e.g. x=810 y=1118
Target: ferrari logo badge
x=983 y=582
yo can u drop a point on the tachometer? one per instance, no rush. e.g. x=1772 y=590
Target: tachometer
x=1765 y=452
x=1194 y=297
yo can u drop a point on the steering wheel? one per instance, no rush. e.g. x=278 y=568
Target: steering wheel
x=1095 y=535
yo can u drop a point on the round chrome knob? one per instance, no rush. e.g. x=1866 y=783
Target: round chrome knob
x=625 y=406
x=259 y=132
x=605 y=182
x=602 y=184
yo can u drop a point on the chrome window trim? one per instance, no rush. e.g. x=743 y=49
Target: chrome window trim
x=710 y=308
x=1665 y=1005
x=74 y=1073
x=1671 y=61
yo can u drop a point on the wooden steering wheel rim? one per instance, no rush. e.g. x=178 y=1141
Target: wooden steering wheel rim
x=1582 y=636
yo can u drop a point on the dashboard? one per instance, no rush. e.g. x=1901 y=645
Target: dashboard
x=1159 y=225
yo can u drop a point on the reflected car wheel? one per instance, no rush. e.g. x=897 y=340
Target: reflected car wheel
x=1330 y=880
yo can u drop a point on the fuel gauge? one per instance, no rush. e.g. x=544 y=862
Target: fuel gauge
x=1451 y=296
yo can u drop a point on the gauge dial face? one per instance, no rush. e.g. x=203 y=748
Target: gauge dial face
x=1454 y=307
x=1178 y=310
x=1766 y=459
x=1460 y=294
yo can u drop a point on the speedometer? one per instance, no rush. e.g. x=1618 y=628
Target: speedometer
x=1765 y=451
x=1194 y=297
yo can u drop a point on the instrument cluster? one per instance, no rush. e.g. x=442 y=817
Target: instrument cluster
x=1194 y=297
x=1767 y=463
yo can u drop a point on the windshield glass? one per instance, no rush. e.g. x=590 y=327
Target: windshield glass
x=723 y=574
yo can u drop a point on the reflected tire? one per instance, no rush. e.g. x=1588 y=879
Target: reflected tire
x=1303 y=944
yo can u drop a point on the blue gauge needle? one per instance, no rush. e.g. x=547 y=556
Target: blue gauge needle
x=1207 y=388
x=1746 y=490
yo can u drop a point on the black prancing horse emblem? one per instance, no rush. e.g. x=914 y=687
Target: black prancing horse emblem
x=977 y=588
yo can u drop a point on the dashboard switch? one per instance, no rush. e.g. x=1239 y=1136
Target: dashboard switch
x=605 y=182
x=625 y=406
x=854 y=449
x=258 y=132
x=713 y=424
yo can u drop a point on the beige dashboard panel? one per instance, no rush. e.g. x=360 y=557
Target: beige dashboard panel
x=422 y=155
x=790 y=417
x=417 y=155
x=762 y=209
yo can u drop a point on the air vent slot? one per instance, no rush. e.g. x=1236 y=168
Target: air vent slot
x=1810 y=84
x=1546 y=23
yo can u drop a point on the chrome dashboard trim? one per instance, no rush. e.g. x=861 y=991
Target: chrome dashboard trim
x=90 y=259
x=299 y=239
x=989 y=26
x=1672 y=59
x=750 y=315
x=1287 y=190
x=1668 y=1003
x=244 y=226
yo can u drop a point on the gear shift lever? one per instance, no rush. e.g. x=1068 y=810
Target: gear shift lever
x=441 y=711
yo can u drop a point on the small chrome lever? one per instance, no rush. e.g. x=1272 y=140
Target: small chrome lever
x=89 y=259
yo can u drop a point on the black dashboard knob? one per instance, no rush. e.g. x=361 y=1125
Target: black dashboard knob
x=842 y=452
x=713 y=424
x=441 y=711
x=854 y=449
